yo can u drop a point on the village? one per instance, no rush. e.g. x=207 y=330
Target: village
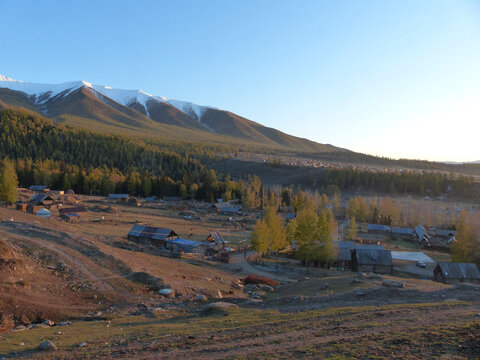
x=412 y=252
x=110 y=259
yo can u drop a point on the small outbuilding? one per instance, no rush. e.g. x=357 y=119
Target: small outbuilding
x=452 y=273
x=118 y=197
x=368 y=260
x=44 y=213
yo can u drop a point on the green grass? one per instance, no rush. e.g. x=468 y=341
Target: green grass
x=133 y=328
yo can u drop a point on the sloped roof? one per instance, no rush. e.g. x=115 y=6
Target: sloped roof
x=373 y=257
x=345 y=249
x=399 y=230
x=451 y=270
x=38 y=198
x=72 y=210
x=444 y=232
x=421 y=232
x=187 y=242
x=162 y=234
x=217 y=238
x=378 y=227
x=150 y=232
x=118 y=196
x=37 y=188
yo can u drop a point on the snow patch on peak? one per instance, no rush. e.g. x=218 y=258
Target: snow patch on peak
x=193 y=110
x=87 y=84
x=6 y=78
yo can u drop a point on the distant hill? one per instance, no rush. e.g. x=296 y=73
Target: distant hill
x=134 y=112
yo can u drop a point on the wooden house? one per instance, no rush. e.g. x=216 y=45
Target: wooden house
x=372 y=260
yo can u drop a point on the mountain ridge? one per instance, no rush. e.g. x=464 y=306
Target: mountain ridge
x=81 y=104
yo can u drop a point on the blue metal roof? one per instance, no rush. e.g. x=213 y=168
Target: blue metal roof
x=399 y=230
x=181 y=241
x=378 y=227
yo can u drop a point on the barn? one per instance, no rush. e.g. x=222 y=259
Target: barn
x=372 y=260
x=452 y=273
x=150 y=234
x=345 y=249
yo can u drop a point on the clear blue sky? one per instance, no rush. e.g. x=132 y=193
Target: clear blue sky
x=390 y=78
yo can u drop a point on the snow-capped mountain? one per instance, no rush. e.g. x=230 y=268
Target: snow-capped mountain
x=44 y=92
x=83 y=104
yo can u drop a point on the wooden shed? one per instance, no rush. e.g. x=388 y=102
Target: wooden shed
x=452 y=273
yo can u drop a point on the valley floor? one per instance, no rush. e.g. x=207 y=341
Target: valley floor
x=104 y=289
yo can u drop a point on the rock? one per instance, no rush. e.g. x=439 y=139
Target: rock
x=256 y=295
x=82 y=344
x=157 y=310
x=267 y=288
x=219 y=295
x=393 y=283
x=250 y=288
x=323 y=286
x=42 y=326
x=222 y=305
x=98 y=313
x=201 y=298
x=49 y=322
x=358 y=291
x=58 y=333
x=237 y=286
x=47 y=346
x=375 y=277
x=169 y=293
x=20 y=328
x=64 y=323
x=207 y=279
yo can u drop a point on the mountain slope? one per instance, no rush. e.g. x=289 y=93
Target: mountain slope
x=85 y=105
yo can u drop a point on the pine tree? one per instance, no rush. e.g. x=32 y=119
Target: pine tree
x=8 y=182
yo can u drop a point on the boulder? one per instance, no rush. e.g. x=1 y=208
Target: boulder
x=47 y=346
x=256 y=295
x=167 y=293
x=267 y=288
x=222 y=305
x=249 y=288
x=201 y=298
x=393 y=283
x=358 y=291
